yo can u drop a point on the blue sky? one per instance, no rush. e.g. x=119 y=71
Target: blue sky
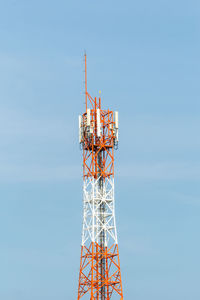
x=144 y=57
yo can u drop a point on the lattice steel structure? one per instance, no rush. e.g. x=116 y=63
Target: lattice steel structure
x=100 y=274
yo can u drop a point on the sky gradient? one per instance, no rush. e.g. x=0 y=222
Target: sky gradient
x=144 y=57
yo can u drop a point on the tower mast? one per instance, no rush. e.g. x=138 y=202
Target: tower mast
x=85 y=59
x=100 y=273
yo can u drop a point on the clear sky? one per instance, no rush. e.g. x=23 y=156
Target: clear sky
x=145 y=58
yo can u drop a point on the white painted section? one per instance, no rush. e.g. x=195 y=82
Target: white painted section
x=93 y=197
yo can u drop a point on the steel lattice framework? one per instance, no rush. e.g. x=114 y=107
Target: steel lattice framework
x=100 y=274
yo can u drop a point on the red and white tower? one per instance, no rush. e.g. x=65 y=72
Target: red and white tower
x=100 y=274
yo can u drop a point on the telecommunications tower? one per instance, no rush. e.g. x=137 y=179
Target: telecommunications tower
x=100 y=274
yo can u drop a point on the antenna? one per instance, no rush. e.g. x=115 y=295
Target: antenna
x=85 y=57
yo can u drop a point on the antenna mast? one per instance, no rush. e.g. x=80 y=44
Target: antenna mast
x=85 y=58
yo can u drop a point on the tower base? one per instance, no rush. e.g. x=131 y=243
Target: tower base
x=100 y=274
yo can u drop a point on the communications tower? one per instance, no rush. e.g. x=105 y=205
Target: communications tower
x=100 y=274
